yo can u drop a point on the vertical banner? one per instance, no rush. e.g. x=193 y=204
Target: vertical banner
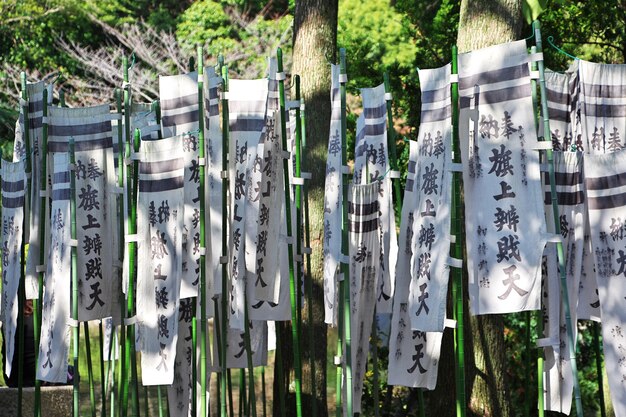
x=179 y=117
x=179 y=393
x=35 y=131
x=159 y=234
x=504 y=218
x=365 y=271
x=332 y=203
x=377 y=168
x=247 y=104
x=236 y=352
x=605 y=177
x=13 y=197
x=54 y=342
x=98 y=286
x=413 y=354
x=431 y=243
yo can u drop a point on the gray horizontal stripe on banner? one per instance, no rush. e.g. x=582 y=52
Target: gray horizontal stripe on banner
x=247 y=125
x=180 y=119
x=375 y=130
x=211 y=110
x=604 y=91
x=13 y=202
x=213 y=93
x=498 y=96
x=565 y=178
x=179 y=102
x=61 y=178
x=360 y=135
x=559 y=115
x=433 y=96
x=79 y=130
x=363 y=227
x=35 y=106
x=566 y=199
x=604 y=183
x=409 y=185
x=163 y=184
x=494 y=76
x=363 y=209
x=33 y=122
x=81 y=145
x=161 y=166
x=556 y=96
x=436 y=115
x=608 y=202
x=62 y=194
x=411 y=166
x=605 y=110
x=12 y=186
x=375 y=112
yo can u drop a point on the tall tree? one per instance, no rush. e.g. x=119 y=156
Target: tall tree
x=314 y=47
x=484 y=23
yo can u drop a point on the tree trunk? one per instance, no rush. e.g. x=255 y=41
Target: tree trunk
x=484 y=23
x=315 y=39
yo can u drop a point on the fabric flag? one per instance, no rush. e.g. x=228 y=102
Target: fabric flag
x=333 y=203
x=179 y=110
x=35 y=129
x=564 y=110
x=413 y=354
x=179 y=393
x=377 y=166
x=54 y=342
x=96 y=217
x=159 y=234
x=13 y=197
x=365 y=271
x=214 y=182
x=504 y=218
x=558 y=379
x=603 y=106
x=604 y=182
x=247 y=103
x=431 y=243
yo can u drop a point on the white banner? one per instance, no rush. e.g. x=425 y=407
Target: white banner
x=179 y=393
x=504 y=218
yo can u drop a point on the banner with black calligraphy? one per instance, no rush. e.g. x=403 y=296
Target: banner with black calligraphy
x=179 y=393
x=246 y=104
x=179 y=117
x=54 y=341
x=159 y=234
x=236 y=352
x=431 y=243
x=333 y=203
x=35 y=131
x=365 y=271
x=96 y=214
x=13 y=199
x=605 y=176
x=504 y=217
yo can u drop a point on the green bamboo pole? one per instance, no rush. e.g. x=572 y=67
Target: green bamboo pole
x=125 y=359
x=92 y=392
x=120 y=255
x=111 y=373
x=145 y=400
x=555 y=213
x=293 y=291
x=218 y=342
x=278 y=363
x=160 y=400
x=456 y=219
x=203 y=292
x=103 y=407
x=540 y=405
x=339 y=356
x=43 y=204
x=263 y=391
x=309 y=282
x=75 y=340
x=61 y=98
x=242 y=394
x=345 y=267
x=420 y=402
x=596 y=347
x=224 y=295
x=230 y=394
x=242 y=391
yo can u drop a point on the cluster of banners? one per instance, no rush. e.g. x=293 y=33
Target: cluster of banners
x=511 y=258
x=168 y=223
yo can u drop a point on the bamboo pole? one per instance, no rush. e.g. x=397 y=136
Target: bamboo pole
x=202 y=292
x=125 y=313
x=92 y=392
x=555 y=213
x=293 y=291
x=75 y=336
x=598 y=354
x=456 y=219
x=248 y=344
x=263 y=391
x=120 y=253
x=102 y=378
x=345 y=267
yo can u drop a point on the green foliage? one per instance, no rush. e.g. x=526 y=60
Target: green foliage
x=531 y=9
x=206 y=22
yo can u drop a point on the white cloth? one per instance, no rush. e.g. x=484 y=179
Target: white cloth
x=333 y=203
x=96 y=214
x=13 y=198
x=431 y=227
x=604 y=182
x=504 y=215
x=179 y=117
x=54 y=342
x=159 y=249
x=410 y=350
x=179 y=393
